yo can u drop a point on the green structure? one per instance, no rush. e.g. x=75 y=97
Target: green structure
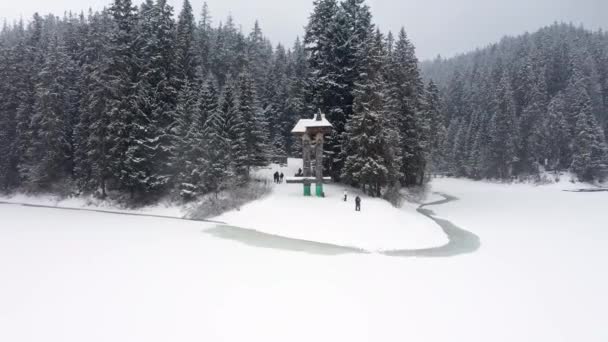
x=312 y=132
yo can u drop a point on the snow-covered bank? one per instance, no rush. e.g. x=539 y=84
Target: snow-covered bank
x=378 y=226
x=163 y=208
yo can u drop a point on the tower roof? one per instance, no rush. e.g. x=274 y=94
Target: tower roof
x=315 y=124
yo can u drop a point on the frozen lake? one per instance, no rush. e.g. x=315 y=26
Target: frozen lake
x=538 y=275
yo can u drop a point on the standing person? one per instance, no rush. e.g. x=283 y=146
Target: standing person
x=281 y=178
x=345 y=195
x=357 y=203
x=276 y=176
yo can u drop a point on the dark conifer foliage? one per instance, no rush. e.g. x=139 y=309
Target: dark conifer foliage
x=138 y=100
x=526 y=105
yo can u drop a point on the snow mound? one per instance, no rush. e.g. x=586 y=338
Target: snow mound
x=377 y=227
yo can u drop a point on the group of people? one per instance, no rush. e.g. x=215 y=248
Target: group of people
x=278 y=177
x=357 y=201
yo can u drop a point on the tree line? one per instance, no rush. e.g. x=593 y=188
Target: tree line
x=526 y=105
x=135 y=100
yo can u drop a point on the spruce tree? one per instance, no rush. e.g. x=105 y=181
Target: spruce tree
x=437 y=130
x=253 y=126
x=405 y=91
x=558 y=135
x=233 y=130
x=216 y=170
x=123 y=69
x=50 y=151
x=31 y=51
x=9 y=103
x=185 y=47
x=371 y=161
x=503 y=131
x=589 y=148
x=188 y=142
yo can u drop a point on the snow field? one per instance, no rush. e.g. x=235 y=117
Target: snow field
x=378 y=226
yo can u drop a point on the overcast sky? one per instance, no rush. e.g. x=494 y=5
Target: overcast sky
x=445 y=27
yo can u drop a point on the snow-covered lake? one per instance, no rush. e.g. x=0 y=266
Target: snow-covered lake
x=539 y=275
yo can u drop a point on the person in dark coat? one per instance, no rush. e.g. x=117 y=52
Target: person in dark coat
x=357 y=203
x=281 y=177
x=276 y=177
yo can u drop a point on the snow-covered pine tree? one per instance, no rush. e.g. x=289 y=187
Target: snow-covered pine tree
x=185 y=45
x=274 y=102
x=188 y=142
x=215 y=168
x=405 y=92
x=371 y=158
x=9 y=102
x=124 y=49
x=558 y=138
x=157 y=83
x=233 y=130
x=49 y=154
x=31 y=54
x=297 y=99
x=589 y=145
x=91 y=155
x=254 y=128
x=325 y=85
x=437 y=130
x=503 y=131
x=204 y=39
x=228 y=52
x=260 y=56
x=532 y=148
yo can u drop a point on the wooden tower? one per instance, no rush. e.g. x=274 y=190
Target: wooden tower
x=312 y=132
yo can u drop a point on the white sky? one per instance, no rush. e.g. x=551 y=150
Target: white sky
x=445 y=27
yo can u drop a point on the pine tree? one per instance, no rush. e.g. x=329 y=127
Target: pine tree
x=405 y=91
x=274 y=102
x=254 y=128
x=589 y=149
x=151 y=140
x=558 y=134
x=325 y=86
x=31 y=51
x=233 y=130
x=185 y=52
x=188 y=142
x=371 y=160
x=50 y=151
x=91 y=135
x=204 y=41
x=531 y=129
x=9 y=102
x=217 y=154
x=259 y=56
x=437 y=130
x=503 y=131
x=297 y=104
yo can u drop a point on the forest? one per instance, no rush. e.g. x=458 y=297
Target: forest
x=528 y=104
x=139 y=100
x=134 y=100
